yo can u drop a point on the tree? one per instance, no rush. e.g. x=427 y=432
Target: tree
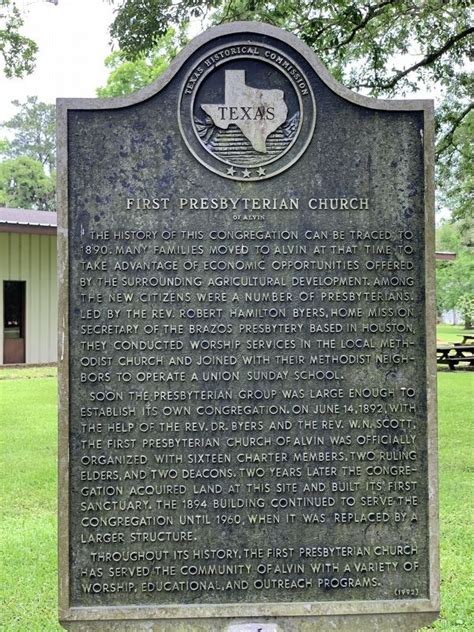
x=455 y=279
x=34 y=129
x=24 y=184
x=450 y=237
x=457 y=174
x=455 y=285
x=18 y=52
x=465 y=305
x=128 y=76
x=4 y=148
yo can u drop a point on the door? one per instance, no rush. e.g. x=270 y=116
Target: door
x=14 y=325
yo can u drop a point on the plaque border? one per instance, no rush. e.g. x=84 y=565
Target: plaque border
x=425 y=610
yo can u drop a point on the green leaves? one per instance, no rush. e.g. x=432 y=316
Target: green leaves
x=34 y=128
x=27 y=178
x=24 y=184
x=455 y=279
x=465 y=305
x=128 y=76
x=18 y=51
x=139 y=25
x=456 y=157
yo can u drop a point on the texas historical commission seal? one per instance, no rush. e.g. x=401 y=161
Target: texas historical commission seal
x=247 y=111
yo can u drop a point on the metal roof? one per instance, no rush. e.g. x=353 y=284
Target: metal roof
x=23 y=220
x=27 y=217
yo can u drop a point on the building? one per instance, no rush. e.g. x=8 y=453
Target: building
x=28 y=294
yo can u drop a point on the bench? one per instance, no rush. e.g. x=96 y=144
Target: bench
x=452 y=355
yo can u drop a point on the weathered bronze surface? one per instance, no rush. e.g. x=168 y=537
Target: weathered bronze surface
x=247 y=408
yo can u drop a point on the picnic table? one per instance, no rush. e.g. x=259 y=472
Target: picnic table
x=455 y=354
x=467 y=339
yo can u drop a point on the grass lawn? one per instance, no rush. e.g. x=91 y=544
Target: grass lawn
x=28 y=574
x=28 y=520
x=451 y=333
x=17 y=372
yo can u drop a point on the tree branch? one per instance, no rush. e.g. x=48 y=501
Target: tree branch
x=426 y=61
x=372 y=13
x=447 y=140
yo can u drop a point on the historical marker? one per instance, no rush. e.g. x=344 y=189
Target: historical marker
x=247 y=350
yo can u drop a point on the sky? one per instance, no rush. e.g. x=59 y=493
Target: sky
x=73 y=42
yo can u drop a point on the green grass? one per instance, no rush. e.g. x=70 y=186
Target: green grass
x=28 y=575
x=451 y=333
x=19 y=372
x=456 y=441
x=28 y=522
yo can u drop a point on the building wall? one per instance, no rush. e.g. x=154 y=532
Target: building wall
x=32 y=258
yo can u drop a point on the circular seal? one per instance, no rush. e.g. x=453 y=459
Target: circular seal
x=246 y=111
